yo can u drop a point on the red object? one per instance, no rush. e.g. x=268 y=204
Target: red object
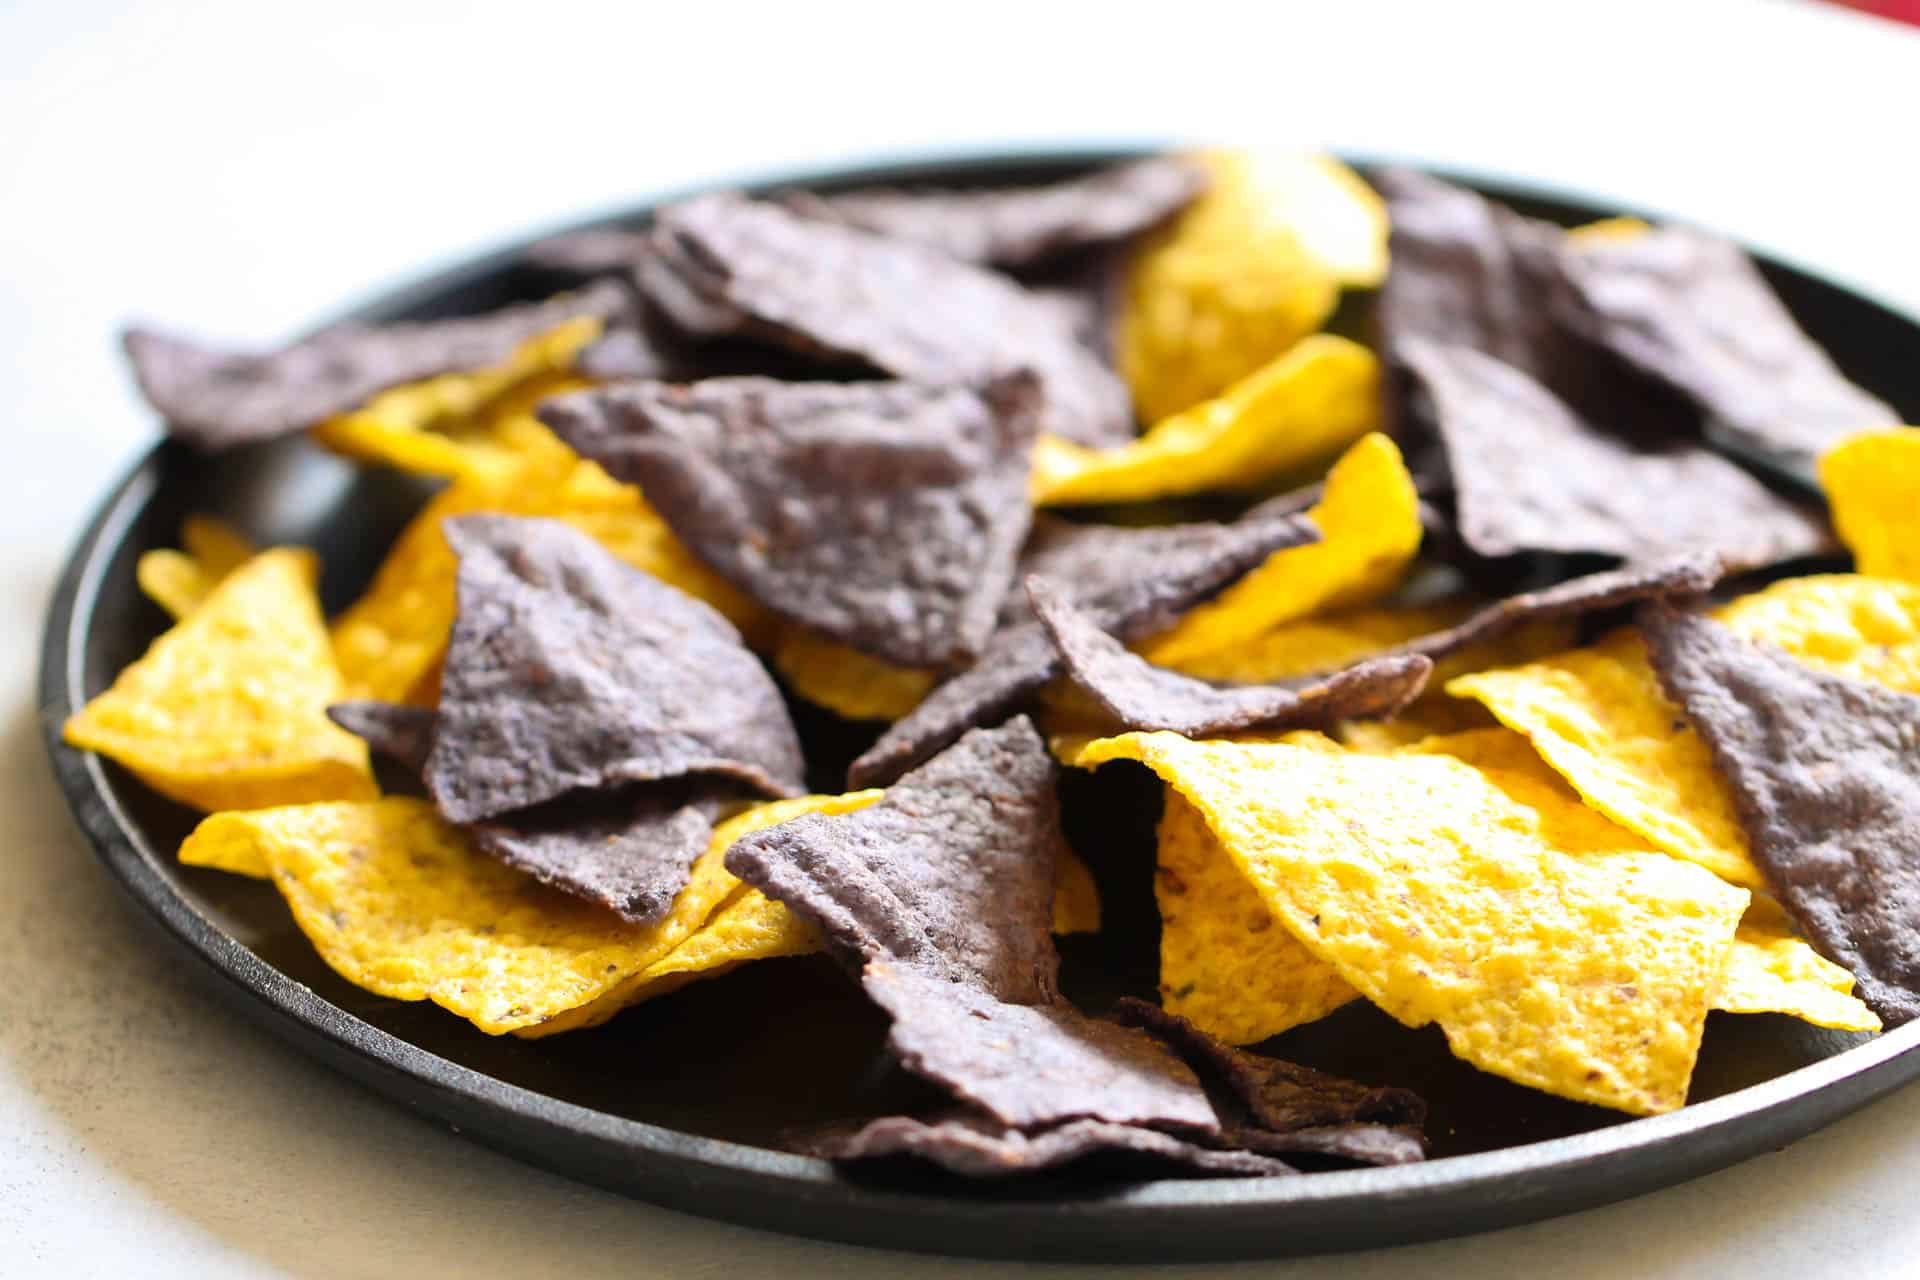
x=1898 y=10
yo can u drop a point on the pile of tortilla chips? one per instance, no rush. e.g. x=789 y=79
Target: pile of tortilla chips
x=1457 y=710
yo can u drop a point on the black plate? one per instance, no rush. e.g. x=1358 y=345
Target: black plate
x=680 y=1101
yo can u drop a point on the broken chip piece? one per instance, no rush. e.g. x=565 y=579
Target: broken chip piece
x=1873 y=482
x=227 y=710
x=569 y=670
x=1139 y=695
x=1133 y=581
x=1305 y=405
x=1021 y=227
x=1821 y=771
x=216 y=399
x=723 y=265
x=885 y=515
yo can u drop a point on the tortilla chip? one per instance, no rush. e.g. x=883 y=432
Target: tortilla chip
x=1405 y=872
x=1251 y=267
x=568 y=670
x=1873 y=482
x=725 y=266
x=1369 y=521
x=215 y=399
x=441 y=426
x=1135 y=694
x=1771 y=969
x=1134 y=581
x=1301 y=407
x=1821 y=771
x=1021 y=227
x=1432 y=716
x=228 y=709
x=1076 y=898
x=883 y=514
x=977 y=1146
x=845 y=681
x=181 y=581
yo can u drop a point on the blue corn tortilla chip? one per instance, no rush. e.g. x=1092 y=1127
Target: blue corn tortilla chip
x=568 y=670
x=725 y=266
x=1021 y=227
x=976 y=1146
x=630 y=849
x=1825 y=775
x=1139 y=695
x=216 y=398
x=883 y=514
x=1132 y=582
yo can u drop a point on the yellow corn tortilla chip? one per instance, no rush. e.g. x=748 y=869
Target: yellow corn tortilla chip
x=217 y=546
x=399 y=903
x=1873 y=484
x=1599 y=717
x=1771 y=969
x=1076 y=899
x=389 y=642
x=1248 y=269
x=1227 y=964
x=1369 y=519
x=227 y=710
x=1583 y=969
x=844 y=680
x=1430 y=716
x=181 y=581
x=1300 y=408
x=442 y=426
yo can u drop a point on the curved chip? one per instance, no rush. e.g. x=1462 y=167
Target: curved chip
x=1251 y=267
x=1304 y=405
x=228 y=709
x=1873 y=482
x=1406 y=873
x=1369 y=521
x=845 y=681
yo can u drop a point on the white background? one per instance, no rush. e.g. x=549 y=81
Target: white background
x=242 y=169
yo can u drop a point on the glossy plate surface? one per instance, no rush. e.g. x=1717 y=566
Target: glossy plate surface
x=682 y=1100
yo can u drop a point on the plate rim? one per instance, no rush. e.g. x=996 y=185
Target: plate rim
x=1526 y=1182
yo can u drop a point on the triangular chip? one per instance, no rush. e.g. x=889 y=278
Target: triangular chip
x=1251 y=267
x=1771 y=969
x=723 y=265
x=1405 y=873
x=1369 y=522
x=1134 y=581
x=569 y=670
x=1574 y=488
x=886 y=515
x=1873 y=482
x=845 y=681
x=1300 y=408
x=181 y=581
x=216 y=398
x=1139 y=695
x=1822 y=770
x=228 y=709
x=1021 y=227
x=1693 y=311
x=977 y=1146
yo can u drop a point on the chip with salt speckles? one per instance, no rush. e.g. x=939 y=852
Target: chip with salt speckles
x=227 y=710
x=1395 y=869
x=726 y=266
x=1133 y=581
x=216 y=398
x=1873 y=482
x=1821 y=769
x=1139 y=695
x=1021 y=227
x=568 y=670
x=883 y=514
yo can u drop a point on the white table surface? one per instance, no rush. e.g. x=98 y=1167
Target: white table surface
x=240 y=169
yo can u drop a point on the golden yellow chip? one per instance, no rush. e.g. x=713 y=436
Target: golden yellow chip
x=845 y=681
x=398 y=902
x=1300 y=408
x=1076 y=900
x=1227 y=964
x=1251 y=267
x=227 y=710
x=1599 y=717
x=1583 y=969
x=181 y=581
x=1771 y=969
x=1873 y=483
x=451 y=425
x=217 y=546
x=1369 y=519
x=389 y=641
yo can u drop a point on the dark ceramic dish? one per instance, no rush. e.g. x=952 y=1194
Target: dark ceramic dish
x=681 y=1101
